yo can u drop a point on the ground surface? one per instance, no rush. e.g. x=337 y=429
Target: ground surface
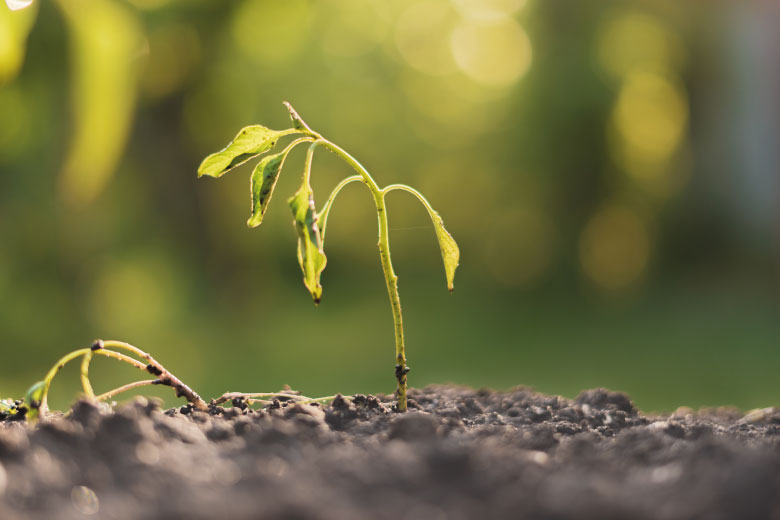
x=459 y=454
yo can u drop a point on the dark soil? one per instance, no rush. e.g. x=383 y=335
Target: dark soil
x=459 y=454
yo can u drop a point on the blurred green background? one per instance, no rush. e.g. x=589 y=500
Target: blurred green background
x=609 y=169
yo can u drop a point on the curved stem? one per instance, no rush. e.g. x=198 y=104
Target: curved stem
x=359 y=168
x=163 y=375
x=432 y=212
x=125 y=388
x=391 y=280
x=43 y=407
x=67 y=358
x=85 y=383
x=323 y=215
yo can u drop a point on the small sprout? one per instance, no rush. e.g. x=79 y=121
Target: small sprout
x=310 y=225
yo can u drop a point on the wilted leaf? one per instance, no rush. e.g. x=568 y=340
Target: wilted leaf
x=449 y=249
x=250 y=142
x=310 y=254
x=264 y=178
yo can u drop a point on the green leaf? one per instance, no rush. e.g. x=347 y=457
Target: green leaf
x=262 y=185
x=449 y=249
x=310 y=254
x=250 y=142
x=34 y=397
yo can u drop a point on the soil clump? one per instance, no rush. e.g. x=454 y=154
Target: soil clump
x=456 y=454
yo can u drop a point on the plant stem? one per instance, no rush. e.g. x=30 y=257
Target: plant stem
x=88 y=391
x=387 y=266
x=125 y=388
x=163 y=375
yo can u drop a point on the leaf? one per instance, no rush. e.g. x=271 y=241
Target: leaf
x=450 y=252
x=262 y=185
x=250 y=142
x=33 y=398
x=310 y=254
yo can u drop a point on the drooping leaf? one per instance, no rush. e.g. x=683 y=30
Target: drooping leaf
x=450 y=252
x=262 y=185
x=310 y=254
x=250 y=142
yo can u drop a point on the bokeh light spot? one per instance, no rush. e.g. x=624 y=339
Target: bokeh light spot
x=84 y=500
x=488 y=10
x=651 y=116
x=615 y=248
x=633 y=40
x=494 y=54
x=418 y=37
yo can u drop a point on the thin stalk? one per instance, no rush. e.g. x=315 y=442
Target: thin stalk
x=323 y=215
x=163 y=375
x=43 y=407
x=391 y=280
x=229 y=396
x=88 y=391
x=125 y=388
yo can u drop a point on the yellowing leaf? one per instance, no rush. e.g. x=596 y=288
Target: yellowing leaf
x=262 y=185
x=449 y=249
x=310 y=254
x=250 y=142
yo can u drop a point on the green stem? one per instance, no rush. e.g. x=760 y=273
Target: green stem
x=323 y=215
x=391 y=279
x=67 y=358
x=85 y=383
x=163 y=375
x=125 y=388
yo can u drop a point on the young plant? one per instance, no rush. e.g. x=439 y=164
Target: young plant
x=36 y=401
x=310 y=224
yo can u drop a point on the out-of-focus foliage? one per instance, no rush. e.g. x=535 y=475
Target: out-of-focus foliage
x=609 y=169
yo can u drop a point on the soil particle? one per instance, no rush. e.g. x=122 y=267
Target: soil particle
x=457 y=454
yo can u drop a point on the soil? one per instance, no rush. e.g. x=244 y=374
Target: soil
x=457 y=454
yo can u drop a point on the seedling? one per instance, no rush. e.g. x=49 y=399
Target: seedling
x=310 y=224
x=35 y=403
x=36 y=400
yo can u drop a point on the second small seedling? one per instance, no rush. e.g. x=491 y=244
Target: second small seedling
x=253 y=141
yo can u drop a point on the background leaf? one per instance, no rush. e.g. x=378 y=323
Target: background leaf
x=14 y=28
x=262 y=185
x=250 y=142
x=310 y=254
x=106 y=43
